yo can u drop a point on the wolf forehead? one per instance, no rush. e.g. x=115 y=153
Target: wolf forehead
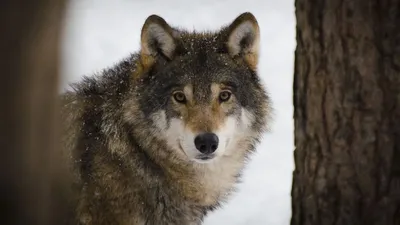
x=199 y=69
x=201 y=75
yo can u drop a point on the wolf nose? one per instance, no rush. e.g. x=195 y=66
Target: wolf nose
x=206 y=143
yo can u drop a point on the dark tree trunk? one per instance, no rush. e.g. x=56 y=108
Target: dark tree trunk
x=30 y=34
x=347 y=113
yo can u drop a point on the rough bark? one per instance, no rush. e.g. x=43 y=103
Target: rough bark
x=347 y=113
x=29 y=58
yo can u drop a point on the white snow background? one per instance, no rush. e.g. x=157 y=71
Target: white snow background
x=99 y=33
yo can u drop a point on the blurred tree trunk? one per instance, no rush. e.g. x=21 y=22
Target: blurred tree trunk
x=30 y=34
x=347 y=113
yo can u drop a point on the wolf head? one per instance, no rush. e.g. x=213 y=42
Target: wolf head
x=200 y=91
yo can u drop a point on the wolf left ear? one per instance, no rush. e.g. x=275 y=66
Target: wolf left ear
x=243 y=39
x=157 y=39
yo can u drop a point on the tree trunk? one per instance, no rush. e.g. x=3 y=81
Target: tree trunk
x=29 y=58
x=347 y=113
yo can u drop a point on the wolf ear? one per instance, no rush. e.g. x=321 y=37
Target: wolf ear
x=157 y=39
x=244 y=38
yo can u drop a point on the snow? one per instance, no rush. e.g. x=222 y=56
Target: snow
x=101 y=32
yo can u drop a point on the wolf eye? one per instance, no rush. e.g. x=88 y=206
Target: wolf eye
x=179 y=97
x=224 y=96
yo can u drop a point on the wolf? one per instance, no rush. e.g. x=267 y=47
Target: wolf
x=162 y=136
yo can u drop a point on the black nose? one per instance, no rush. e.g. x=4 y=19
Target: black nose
x=206 y=143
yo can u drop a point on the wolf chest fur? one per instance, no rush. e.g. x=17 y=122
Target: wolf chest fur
x=163 y=136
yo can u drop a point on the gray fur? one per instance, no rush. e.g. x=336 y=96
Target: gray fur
x=124 y=172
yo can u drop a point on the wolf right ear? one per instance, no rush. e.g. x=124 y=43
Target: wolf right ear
x=157 y=39
x=243 y=39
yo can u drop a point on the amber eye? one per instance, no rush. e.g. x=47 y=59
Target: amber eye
x=179 y=97
x=224 y=96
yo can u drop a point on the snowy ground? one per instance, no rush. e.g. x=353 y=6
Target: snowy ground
x=101 y=32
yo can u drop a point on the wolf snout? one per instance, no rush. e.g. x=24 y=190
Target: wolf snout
x=206 y=143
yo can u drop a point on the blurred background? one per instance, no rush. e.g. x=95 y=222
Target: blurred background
x=99 y=33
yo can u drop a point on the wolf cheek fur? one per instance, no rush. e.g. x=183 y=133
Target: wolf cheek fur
x=162 y=137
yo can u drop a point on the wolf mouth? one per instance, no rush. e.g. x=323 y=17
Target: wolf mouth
x=205 y=157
